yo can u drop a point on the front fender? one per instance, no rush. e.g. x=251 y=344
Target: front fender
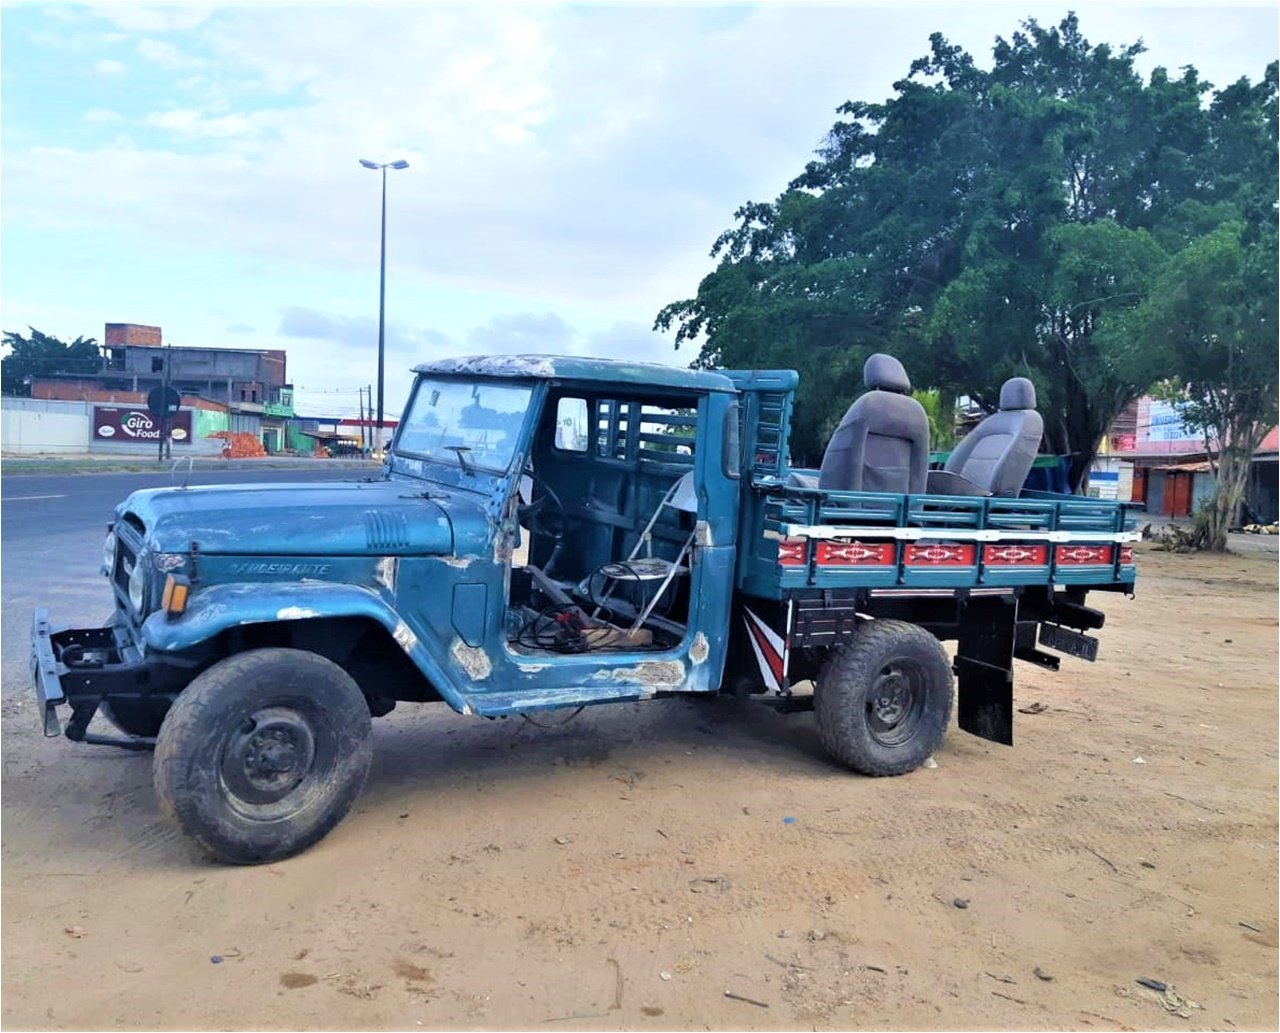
x=216 y=609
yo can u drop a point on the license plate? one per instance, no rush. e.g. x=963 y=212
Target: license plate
x=1064 y=640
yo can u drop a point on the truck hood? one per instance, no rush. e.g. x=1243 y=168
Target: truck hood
x=382 y=518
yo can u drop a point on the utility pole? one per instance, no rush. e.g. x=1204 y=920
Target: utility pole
x=362 y=420
x=164 y=409
x=382 y=282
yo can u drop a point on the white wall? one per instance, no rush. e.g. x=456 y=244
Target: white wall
x=33 y=426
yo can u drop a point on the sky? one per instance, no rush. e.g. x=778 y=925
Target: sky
x=195 y=166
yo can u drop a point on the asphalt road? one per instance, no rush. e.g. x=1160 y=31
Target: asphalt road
x=51 y=530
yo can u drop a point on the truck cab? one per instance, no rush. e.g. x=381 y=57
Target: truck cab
x=553 y=532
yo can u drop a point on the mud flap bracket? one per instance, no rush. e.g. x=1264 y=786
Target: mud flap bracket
x=984 y=667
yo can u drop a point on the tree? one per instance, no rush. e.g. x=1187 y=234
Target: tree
x=1213 y=317
x=42 y=355
x=981 y=225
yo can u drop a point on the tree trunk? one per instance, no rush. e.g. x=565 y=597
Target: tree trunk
x=1233 y=462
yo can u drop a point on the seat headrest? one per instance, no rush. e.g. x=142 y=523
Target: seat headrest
x=885 y=373
x=1018 y=393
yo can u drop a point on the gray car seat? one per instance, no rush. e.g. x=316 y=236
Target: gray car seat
x=882 y=444
x=997 y=454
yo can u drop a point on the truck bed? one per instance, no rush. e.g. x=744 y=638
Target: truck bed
x=797 y=537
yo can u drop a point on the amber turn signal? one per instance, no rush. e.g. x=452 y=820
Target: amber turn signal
x=174 y=599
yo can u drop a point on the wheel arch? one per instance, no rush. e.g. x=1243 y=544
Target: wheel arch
x=352 y=626
x=360 y=645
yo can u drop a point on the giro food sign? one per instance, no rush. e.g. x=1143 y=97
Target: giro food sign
x=134 y=423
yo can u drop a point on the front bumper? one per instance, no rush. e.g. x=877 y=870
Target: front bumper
x=46 y=672
x=83 y=668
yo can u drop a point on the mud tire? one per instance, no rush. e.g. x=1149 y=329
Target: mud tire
x=883 y=700
x=263 y=754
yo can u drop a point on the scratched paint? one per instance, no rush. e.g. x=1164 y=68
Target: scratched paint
x=700 y=650
x=651 y=673
x=457 y=562
x=471 y=659
x=493 y=366
x=405 y=636
x=386 y=571
x=295 y=613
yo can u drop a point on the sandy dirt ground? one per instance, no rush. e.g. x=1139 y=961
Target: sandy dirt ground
x=625 y=870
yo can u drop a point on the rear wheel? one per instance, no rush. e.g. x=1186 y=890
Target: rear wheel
x=263 y=754
x=883 y=700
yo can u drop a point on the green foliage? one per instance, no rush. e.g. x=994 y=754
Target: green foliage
x=42 y=355
x=1212 y=320
x=981 y=225
x=941 y=411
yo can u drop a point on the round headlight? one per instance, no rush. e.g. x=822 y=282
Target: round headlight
x=109 y=553
x=137 y=583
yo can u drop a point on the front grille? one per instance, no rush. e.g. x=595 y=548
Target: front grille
x=128 y=549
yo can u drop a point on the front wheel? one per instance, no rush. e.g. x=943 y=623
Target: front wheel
x=263 y=754
x=883 y=700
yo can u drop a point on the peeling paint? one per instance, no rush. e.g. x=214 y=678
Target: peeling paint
x=532 y=668
x=652 y=673
x=471 y=659
x=405 y=636
x=457 y=562
x=386 y=572
x=502 y=542
x=493 y=366
x=700 y=650
x=295 y=613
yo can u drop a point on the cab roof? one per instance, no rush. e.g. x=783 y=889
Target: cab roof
x=573 y=367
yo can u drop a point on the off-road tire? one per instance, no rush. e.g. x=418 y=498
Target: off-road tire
x=263 y=754
x=890 y=667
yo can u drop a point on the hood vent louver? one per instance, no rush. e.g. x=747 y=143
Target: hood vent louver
x=386 y=530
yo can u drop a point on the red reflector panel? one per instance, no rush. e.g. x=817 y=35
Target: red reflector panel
x=792 y=554
x=1082 y=555
x=934 y=555
x=858 y=554
x=1126 y=555
x=1015 y=555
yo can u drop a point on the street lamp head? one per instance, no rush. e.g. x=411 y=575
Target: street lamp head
x=368 y=164
x=401 y=164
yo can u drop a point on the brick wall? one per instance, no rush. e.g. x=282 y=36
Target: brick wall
x=89 y=391
x=132 y=333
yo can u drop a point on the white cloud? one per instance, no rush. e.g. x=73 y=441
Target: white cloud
x=575 y=160
x=166 y=55
x=192 y=123
x=167 y=17
x=102 y=115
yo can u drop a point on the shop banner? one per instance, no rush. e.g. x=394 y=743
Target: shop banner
x=134 y=423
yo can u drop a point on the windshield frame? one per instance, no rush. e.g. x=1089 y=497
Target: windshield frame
x=452 y=459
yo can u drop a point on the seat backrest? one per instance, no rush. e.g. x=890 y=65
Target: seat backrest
x=997 y=454
x=882 y=444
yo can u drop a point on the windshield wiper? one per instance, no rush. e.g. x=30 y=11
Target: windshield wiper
x=462 y=459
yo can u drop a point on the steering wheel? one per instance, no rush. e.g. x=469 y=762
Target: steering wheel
x=544 y=516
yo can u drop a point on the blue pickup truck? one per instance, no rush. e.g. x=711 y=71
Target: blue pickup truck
x=552 y=532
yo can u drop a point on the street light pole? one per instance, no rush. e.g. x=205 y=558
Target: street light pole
x=382 y=282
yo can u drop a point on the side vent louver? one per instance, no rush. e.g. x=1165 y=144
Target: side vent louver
x=386 y=530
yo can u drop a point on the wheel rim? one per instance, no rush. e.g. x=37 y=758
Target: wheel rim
x=272 y=761
x=895 y=702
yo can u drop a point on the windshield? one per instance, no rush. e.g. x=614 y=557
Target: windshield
x=480 y=418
